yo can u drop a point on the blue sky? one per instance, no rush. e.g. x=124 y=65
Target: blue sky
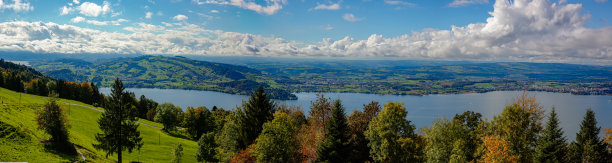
x=451 y=29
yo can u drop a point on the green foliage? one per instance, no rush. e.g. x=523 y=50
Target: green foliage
x=177 y=153
x=145 y=105
x=119 y=129
x=519 y=124
x=253 y=114
x=169 y=115
x=198 y=121
x=228 y=140
x=358 y=124
x=52 y=120
x=335 y=147
x=453 y=141
x=552 y=146
x=588 y=146
x=206 y=148
x=392 y=137
x=277 y=141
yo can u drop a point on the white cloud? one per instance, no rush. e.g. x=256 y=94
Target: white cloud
x=77 y=19
x=460 y=3
x=334 y=6
x=525 y=30
x=148 y=15
x=76 y=2
x=94 y=10
x=271 y=7
x=16 y=6
x=66 y=10
x=214 y=11
x=350 y=17
x=601 y=1
x=399 y=2
x=328 y=27
x=180 y=17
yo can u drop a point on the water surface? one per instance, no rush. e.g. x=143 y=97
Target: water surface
x=422 y=110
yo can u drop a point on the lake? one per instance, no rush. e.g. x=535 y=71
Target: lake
x=422 y=110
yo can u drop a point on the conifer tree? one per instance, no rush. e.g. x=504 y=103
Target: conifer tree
x=551 y=146
x=588 y=146
x=119 y=128
x=253 y=114
x=334 y=147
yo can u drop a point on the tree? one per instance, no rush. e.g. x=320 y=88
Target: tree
x=206 y=148
x=312 y=134
x=358 y=124
x=453 y=140
x=552 y=146
x=228 y=139
x=608 y=138
x=497 y=149
x=119 y=129
x=392 y=137
x=52 y=120
x=334 y=147
x=144 y=105
x=168 y=115
x=588 y=147
x=253 y=114
x=519 y=125
x=277 y=140
x=177 y=153
x=198 y=121
x=469 y=122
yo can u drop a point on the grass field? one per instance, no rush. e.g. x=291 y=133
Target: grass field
x=21 y=141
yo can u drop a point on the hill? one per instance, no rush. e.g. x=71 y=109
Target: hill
x=21 y=141
x=166 y=72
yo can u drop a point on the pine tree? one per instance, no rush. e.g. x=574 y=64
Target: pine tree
x=253 y=114
x=334 y=147
x=551 y=146
x=119 y=129
x=588 y=146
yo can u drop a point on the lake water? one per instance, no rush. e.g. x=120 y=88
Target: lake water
x=422 y=110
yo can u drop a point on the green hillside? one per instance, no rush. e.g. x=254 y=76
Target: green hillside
x=20 y=140
x=166 y=72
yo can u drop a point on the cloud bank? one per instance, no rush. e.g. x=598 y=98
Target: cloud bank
x=522 y=30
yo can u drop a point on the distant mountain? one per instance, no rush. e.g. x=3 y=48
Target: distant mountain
x=165 y=72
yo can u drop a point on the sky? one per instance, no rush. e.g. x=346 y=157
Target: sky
x=573 y=31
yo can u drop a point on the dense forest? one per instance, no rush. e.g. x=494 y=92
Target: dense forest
x=261 y=130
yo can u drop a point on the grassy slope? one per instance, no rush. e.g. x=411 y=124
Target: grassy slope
x=84 y=126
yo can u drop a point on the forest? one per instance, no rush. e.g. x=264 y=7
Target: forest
x=261 y=130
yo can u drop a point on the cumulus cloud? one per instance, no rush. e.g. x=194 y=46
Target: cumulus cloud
x=460 y=3
x=350 y=17
x=16 y=6
x=148 y=15
x=180 y=17
x=94 y=10
x=270 y=8
x=524 y=30
x=333 y=6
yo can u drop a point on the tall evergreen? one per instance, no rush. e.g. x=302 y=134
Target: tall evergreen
x=334 y=147
x=253 y=114
x=552 y=145
x=119 y=128
x=588 y=146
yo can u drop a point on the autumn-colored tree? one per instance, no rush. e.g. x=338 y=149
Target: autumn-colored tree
x=519 y=125
x=608 y=138
x=497 y=150
x=244 y=155
x=312 y=134
x=392 y=137
x=358 y=124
